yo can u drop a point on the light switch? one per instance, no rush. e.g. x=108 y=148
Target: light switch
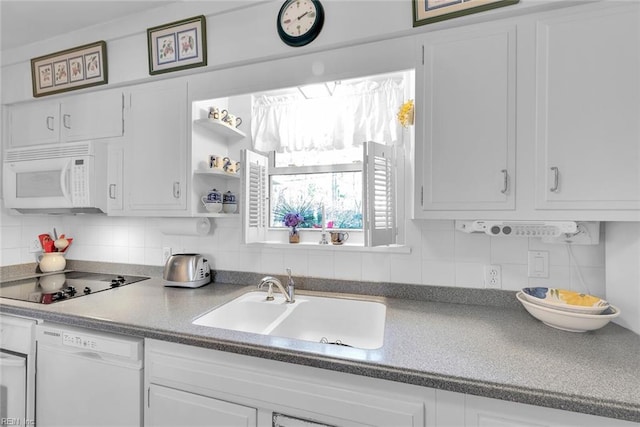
x=539 y=264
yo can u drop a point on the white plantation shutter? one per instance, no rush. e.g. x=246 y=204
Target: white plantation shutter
x=379 y=194
x=256 y=197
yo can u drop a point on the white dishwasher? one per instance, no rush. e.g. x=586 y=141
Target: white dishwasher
x=87 y=378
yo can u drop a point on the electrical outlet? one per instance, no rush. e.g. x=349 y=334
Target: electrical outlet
x=492 y=276
x=166 y=253
x=34 y=246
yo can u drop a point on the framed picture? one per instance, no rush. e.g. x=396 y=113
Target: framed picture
x=178 y=45
x=70 y=69
x=428 y=11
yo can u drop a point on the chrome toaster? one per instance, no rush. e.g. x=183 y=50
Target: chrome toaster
x=187 y=271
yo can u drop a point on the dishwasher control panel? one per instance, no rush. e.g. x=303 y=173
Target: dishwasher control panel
x=102 y=343
x=79 y=341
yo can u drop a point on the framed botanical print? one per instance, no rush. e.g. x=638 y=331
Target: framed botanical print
x=70 y=69
x=177 y=45
x=428 y=11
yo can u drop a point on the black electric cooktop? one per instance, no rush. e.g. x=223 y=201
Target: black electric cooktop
x=54 y=287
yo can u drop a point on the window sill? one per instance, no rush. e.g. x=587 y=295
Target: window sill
x=353 y=247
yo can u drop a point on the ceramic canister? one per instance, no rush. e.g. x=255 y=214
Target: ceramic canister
x=229 y=203
x=212 y=201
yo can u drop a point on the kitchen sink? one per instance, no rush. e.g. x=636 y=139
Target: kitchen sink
x=332 y=320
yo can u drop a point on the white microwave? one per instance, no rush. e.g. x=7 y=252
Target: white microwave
x=56 y=178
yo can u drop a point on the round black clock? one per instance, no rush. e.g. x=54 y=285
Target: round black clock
x=300 y=21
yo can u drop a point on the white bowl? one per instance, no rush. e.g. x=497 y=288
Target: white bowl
x=565 y=300
x=566 y=320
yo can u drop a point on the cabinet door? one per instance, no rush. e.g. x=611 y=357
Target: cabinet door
x=34 y=123
x=588 y=110
x=115 y=179
x=92 y=116
x=485 y=412
x=466 y=124
x=156 y=148
x=170 y=407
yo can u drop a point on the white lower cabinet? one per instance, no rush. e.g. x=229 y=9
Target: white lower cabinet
x=170 y=407
x=458 y=410
x=210 y=387
x=193 y=386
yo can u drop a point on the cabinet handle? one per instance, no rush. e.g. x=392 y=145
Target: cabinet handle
x=50 y=123
x=176 y=189
x=505 y=182
x=66 y=120
x=112 y=191
x=556 y=180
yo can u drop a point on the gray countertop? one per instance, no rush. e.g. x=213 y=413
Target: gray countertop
x=498 y=352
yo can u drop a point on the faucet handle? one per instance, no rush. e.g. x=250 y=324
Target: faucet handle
x=270 y=292
x=267 y=281
x=291 y=287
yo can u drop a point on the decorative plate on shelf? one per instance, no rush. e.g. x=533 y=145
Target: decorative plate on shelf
x=565 y=300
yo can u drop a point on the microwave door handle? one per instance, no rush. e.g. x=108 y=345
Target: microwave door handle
x=64 y=181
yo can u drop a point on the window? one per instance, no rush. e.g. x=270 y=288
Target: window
x=318 y=159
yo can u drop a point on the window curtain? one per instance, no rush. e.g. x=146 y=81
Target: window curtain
x=355 y=113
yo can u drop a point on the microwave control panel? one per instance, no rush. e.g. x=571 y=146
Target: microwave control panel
x=79 y=183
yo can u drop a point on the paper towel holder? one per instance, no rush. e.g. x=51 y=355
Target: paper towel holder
x=185 y=226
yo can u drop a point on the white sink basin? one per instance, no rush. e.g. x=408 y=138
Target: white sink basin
x=352 y=322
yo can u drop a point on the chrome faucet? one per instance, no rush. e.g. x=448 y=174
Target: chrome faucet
x=289 y=293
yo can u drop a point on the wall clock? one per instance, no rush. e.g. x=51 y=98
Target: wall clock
x=300 y=21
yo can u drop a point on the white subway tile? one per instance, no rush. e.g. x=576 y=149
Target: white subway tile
x=509 y=250
x=11 y=238
x=297 y=261
x=514 y=276
x=438 y=272
x=438 y=245
x=470 y=274
x=406 y=269
x=375 y=267
x=347 y=266
x=472 y=248
x=321 y=264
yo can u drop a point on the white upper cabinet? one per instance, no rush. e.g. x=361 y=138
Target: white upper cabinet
x=465 y=122
x=92 y=116
x=156 y=149
x=570 y=120
x=34 y=123
x=89 y=116
x=588 y=110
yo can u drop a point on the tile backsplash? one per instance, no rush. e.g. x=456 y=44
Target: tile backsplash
x=440 y=255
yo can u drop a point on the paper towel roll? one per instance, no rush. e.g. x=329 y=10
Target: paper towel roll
x=185 y=226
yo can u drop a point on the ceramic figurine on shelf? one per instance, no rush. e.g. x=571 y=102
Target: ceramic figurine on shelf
x=226 y=164
x=229 y=202
x=214 y=113
x=212 y=202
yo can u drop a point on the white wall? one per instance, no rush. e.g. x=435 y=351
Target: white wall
x=238 y=32
x=623 y=271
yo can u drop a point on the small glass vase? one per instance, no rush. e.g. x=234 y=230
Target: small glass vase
x=294 y=236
